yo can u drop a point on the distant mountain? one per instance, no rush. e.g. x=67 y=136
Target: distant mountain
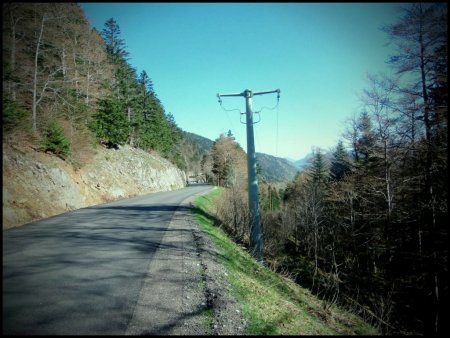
x=275 y=169
x=193 y=147
x=307 y=160
x=289 y=159
x=302 y=163
x=203 y=143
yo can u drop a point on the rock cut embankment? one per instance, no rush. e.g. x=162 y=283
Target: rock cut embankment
x=38 y=185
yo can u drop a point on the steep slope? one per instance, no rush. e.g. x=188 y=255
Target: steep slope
x=304 y=162
x=204 y=144
x=38 y=185
x=271 y=304
x=275 y=169
x=193 y=147
x=58 y=77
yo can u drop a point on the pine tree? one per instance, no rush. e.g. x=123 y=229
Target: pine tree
x=340 y=164
x=318 y=171
x=114 y=44
x=146 y=83
x=55 y=141
x=110 y=124
x=366 y=140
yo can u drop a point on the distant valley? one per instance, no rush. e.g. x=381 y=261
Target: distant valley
x=273 y=169
x=302 y=163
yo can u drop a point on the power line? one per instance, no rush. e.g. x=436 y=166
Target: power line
x=276 y=106
x=258 y=143
x=229 y=110
x=276 y=141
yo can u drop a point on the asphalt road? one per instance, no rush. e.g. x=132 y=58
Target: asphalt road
x=83 y=272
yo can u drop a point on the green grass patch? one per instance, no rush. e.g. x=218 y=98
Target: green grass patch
x=208 y=319
x=273 y=305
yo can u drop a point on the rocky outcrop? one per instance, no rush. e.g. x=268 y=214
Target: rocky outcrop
x=38 y=185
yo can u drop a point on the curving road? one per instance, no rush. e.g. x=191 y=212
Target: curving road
x=83 y=272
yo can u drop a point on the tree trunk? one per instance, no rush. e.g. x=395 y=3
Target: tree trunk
x=88 y=79
x=35 y=79
x=63 y=63
x=389 y=196
x=13 y=54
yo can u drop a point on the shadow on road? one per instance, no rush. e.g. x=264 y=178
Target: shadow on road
x=59 y=274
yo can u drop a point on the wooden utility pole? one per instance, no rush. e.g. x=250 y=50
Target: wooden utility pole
x=256 y=238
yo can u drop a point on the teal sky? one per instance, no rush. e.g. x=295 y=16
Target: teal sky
x=317 y=54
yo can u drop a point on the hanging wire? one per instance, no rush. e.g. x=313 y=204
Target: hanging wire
x=259 y=117
x=254 y=122
x=271 y=108
x=228 y=110
x=256 y=133
x=240 y=119
x=277 y=106
x=278 y=112
x=255 y=112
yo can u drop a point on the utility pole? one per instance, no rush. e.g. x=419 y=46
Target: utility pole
x=256 y=238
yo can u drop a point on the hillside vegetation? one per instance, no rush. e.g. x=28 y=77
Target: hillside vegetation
x=68 y=87
x=274 y=169
x=80 y=125
x=366 y=225
x=271 y=303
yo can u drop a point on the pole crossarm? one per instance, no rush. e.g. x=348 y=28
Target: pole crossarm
x=249 y=93
x=267 y=92
x=236 y=94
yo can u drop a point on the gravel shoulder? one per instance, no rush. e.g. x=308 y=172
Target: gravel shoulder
x=227 y=312
x=186 y=290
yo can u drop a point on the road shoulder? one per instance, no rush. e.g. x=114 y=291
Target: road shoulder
x=186 y=290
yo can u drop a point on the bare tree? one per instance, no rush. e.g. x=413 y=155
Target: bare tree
x=420 y=33
x=14 y=18
x=37 y=98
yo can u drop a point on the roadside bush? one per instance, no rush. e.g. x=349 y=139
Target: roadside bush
x=232 y=211
x=12 y=115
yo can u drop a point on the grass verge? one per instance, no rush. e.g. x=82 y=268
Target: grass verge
x=271 y=304
x=208 y=320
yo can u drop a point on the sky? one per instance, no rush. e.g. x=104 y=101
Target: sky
x=317 y=54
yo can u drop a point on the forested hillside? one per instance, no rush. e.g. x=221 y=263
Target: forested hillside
x=274 y=169
x=194 y=148
x=67 y=87
x=368 y=228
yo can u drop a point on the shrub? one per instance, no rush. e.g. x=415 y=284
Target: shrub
x=110 y=124
x=55 y=140
x=12 y=114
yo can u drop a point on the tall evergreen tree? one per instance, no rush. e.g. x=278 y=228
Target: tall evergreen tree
x=318 y=171
x=340 y=164
x=366 y=141
x=110 y=124
x=114 y=45
x=146 y=83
